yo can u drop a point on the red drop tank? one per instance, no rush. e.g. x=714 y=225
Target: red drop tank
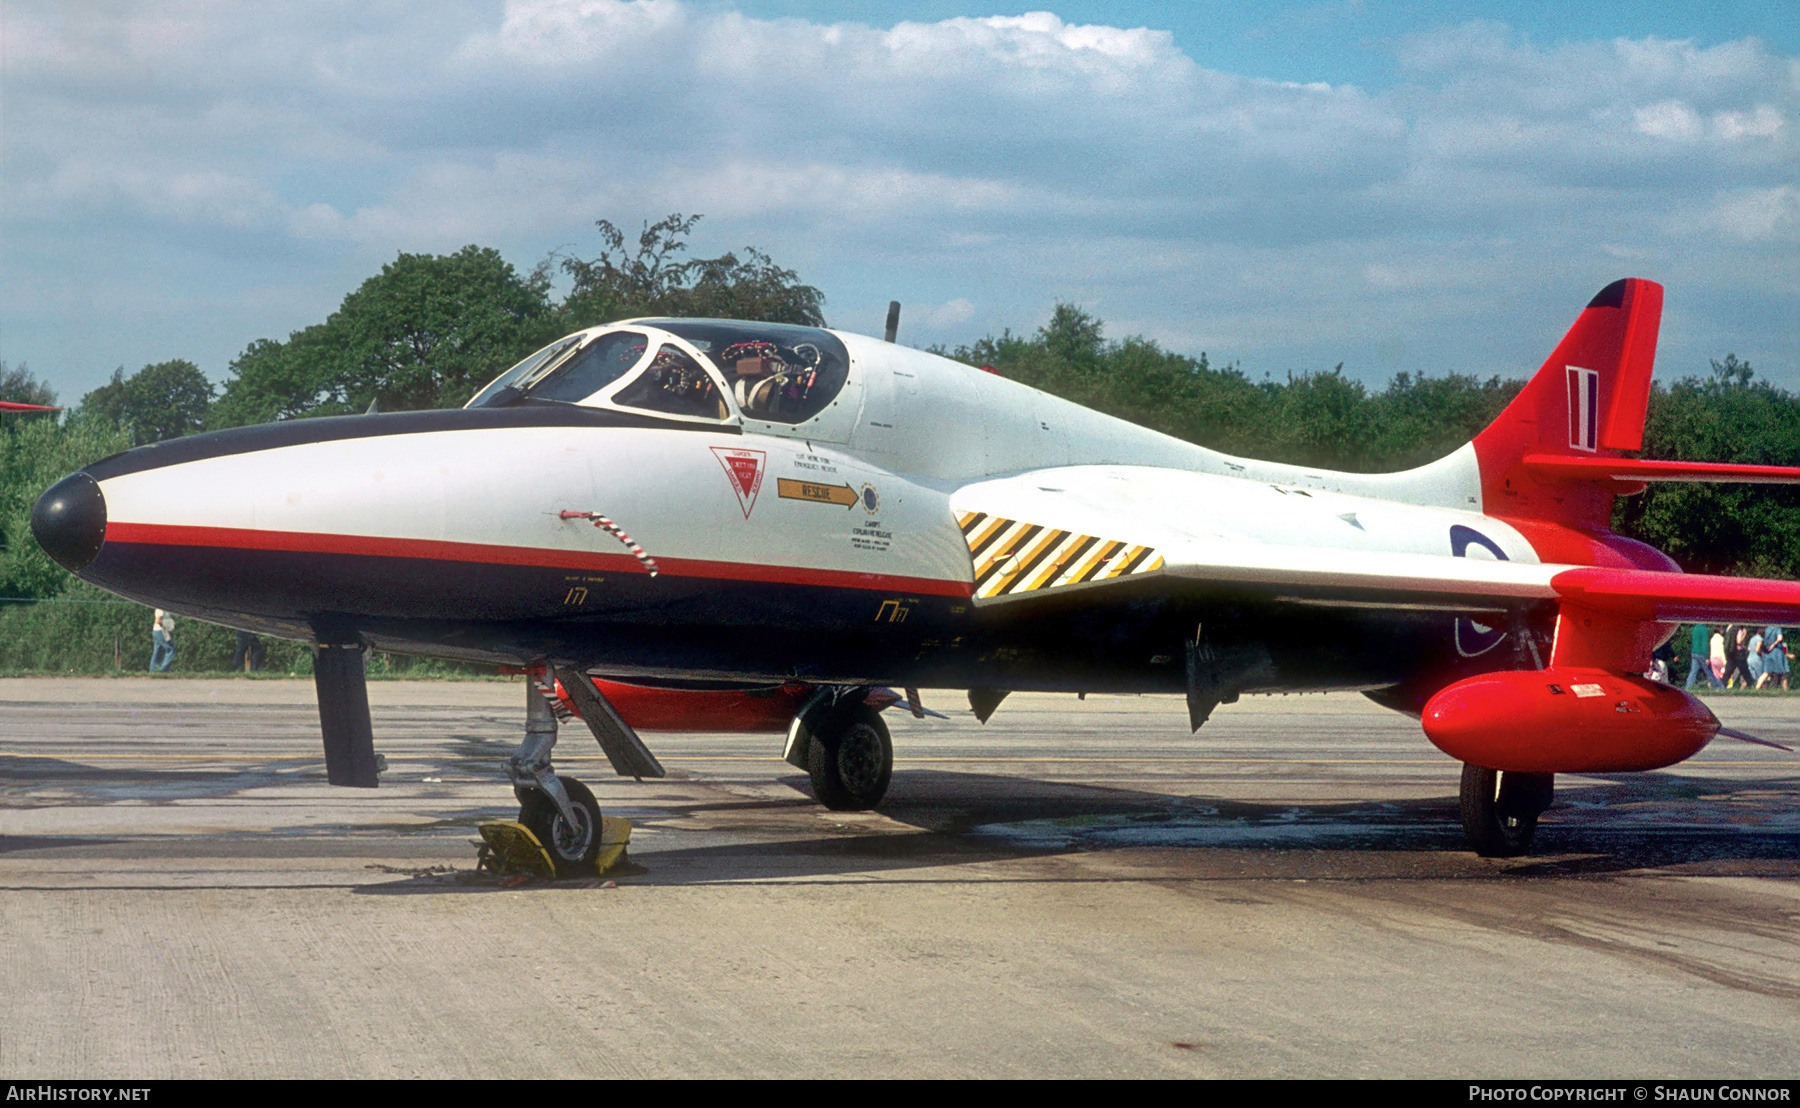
x=1567 y=720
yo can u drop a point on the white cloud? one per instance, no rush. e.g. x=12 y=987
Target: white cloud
x=576 y=32
x=1757 y=215
x=978 y=167
x=1670 y=119
x=939 y=317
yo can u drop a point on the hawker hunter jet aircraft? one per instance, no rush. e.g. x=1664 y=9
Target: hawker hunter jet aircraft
x=706 y=524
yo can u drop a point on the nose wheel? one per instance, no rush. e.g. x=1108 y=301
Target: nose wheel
x=573 y=840
x=560 y=811
x=1500 y=809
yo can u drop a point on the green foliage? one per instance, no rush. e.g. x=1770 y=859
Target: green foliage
x=35 y=453
x=654 y=281
x=1724 y=417
x=18 y=385
x=429 y=330
x=89 y=631
x=425 y=332
x=161 y=401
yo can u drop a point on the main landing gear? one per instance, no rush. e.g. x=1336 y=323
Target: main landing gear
x=1500 y=809
x=839 y=739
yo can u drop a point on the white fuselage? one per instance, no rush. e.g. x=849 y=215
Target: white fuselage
x=928 y=436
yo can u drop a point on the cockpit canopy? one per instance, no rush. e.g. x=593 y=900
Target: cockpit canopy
x=690 y=369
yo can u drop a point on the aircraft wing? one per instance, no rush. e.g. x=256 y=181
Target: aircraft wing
x=1107 y=529
x=1100 y=528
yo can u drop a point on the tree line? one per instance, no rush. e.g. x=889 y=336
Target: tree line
x=427 y=331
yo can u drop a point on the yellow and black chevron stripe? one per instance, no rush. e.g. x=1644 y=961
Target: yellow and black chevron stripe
x=1013 y=557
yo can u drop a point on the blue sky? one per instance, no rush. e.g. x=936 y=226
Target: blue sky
x=1344 y=41
x=1419 y=187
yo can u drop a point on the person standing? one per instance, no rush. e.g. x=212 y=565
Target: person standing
x=1737 y=650
x=249 y=655
x=1775 y=659
x=1715 y=659
x=162 y=641
x=1753 y=660
x=1697 y=665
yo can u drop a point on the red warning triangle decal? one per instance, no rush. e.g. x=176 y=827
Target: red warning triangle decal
x=744 y=470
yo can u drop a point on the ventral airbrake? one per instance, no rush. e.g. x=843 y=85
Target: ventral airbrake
x=689 y=523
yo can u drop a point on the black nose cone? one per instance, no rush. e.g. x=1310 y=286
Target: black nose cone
x=70 y=521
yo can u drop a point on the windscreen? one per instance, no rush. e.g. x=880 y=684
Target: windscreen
x=674 y=383
x=566 y=370
x=592 y=368
x=503 y=387
x=777 y=371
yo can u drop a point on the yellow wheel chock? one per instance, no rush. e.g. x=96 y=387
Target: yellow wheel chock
x=510 y=848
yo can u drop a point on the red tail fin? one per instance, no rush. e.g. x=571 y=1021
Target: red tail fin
x=1587 y=401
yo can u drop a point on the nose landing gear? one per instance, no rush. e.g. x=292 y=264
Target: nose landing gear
x=560 y=811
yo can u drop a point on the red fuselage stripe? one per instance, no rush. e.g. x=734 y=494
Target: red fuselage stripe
x=380 y=546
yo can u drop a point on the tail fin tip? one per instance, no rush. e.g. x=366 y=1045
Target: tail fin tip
x=1589 y=397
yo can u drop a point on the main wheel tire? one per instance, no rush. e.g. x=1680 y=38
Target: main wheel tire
x=572 y=849
x=852 y=762
x=1500 y=810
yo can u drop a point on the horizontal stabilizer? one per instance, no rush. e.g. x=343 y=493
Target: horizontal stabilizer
x=1637 y=470
x=1679 y=597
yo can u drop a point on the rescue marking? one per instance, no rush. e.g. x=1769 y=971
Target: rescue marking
x=744 y=472
x=893 y=611
x=616 y=532
x=814 y=493
x=1012 y=557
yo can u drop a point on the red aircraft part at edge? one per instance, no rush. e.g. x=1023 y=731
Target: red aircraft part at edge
x=1567 y=721
x=736 y=710
x=1679 y=597
x=1639 y=471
